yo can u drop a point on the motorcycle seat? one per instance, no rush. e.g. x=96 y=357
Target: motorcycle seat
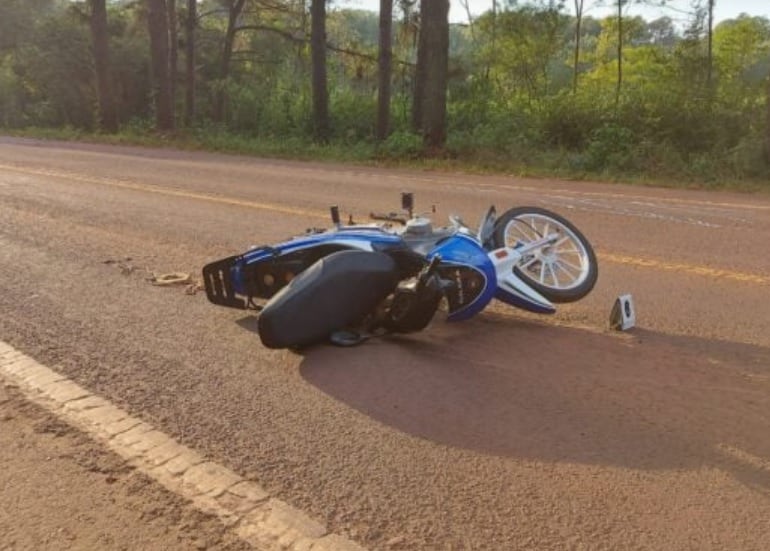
x=335 y=292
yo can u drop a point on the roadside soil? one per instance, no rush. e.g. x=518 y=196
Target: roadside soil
x=60 y=490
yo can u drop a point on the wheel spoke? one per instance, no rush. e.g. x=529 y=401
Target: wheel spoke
x=517 y=231
x=531 y=230
x=572 y=277
x=553 y=274
x=566 y=252
x=570 y=264
x=573 y=250
x=529 y=263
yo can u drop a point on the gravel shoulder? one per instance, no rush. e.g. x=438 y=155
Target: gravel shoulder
x=60 y=490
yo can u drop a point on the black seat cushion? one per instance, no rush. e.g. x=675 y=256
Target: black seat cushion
x=335 y=292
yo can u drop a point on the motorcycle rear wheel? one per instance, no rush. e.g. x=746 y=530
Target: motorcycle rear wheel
x=563 y=272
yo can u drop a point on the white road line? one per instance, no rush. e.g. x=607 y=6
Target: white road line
x=242 y=505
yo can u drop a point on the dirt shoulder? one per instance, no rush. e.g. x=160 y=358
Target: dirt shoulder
x=60 y=490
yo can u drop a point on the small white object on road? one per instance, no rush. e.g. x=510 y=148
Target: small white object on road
x=623 y=315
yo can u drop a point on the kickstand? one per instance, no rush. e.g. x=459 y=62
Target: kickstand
x=251 y=305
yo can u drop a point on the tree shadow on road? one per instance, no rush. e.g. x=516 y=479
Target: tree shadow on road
x=528 y=390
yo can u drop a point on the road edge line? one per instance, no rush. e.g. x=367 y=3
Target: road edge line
x=242 y=505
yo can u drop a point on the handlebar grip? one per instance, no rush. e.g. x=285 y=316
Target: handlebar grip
x=387 y=217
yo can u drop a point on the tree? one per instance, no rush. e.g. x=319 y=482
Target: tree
x=578 y=28
x=321 y=128
x=191 y=22
x=234 y=9
x=157 y=21
x=710 y=67
x=108 y=115
x=661 y=32
x=385 y=62
x=767 y=123
x=521 y=46
x=173 y=42
x=703 y=16
x=620 y=4
x=620 y=42
x=432 y=72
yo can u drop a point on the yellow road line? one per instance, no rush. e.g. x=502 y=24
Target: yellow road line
x=715 y=273
x=168 y=191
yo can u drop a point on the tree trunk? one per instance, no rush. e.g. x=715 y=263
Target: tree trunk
x=432 y=73
x=419 y=72
x=494 y=38
x=108 y=115
x=578 y=26
x=158 y=27
x=173 y=51
x=190 y=25
x=710 y=66
x=767 y=125
x=318 y=57
x=227 y=53
x=384 y=70
x=620 y=54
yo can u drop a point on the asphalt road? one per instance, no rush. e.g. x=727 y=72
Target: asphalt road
x=509 y=431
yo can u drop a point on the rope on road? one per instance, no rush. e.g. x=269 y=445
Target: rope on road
x=174 y=278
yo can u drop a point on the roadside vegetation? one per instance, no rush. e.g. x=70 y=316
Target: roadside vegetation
x=526 y=87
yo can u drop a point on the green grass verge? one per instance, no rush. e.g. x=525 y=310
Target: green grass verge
x=538 y=164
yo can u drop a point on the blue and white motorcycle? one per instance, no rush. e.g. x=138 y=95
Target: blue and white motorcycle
x=354 y=281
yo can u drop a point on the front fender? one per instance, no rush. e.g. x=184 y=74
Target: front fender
x=511 y=289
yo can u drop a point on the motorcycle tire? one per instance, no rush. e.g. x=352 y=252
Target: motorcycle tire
x=542 y=268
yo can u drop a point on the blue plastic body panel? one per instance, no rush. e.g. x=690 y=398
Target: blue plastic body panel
x=462 y=250
x=354 y=238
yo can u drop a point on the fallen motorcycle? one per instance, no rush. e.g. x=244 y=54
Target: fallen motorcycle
x=354 y=281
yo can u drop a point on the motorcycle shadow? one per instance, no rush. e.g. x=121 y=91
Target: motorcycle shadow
x=523 y=389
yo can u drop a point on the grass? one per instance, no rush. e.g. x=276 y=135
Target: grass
x=538 y=164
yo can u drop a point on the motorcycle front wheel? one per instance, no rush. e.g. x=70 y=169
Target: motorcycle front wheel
x=564 y=271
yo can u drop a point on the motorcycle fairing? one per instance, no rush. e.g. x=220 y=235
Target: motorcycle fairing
x=466 y=264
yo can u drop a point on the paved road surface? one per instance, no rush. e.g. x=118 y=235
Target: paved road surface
x=505 y=432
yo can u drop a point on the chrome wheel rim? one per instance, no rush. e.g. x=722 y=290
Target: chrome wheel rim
x=563 y=264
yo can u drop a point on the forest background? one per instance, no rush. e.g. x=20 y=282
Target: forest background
x=526 y=87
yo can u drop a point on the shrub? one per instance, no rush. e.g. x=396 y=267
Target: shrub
x=401 y=144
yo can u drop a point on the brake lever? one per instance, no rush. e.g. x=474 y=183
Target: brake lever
x=428 y=271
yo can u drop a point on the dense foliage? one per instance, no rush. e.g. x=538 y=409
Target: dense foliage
x=515 y=96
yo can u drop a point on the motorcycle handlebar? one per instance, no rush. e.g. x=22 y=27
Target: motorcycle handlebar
x=390 y=217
